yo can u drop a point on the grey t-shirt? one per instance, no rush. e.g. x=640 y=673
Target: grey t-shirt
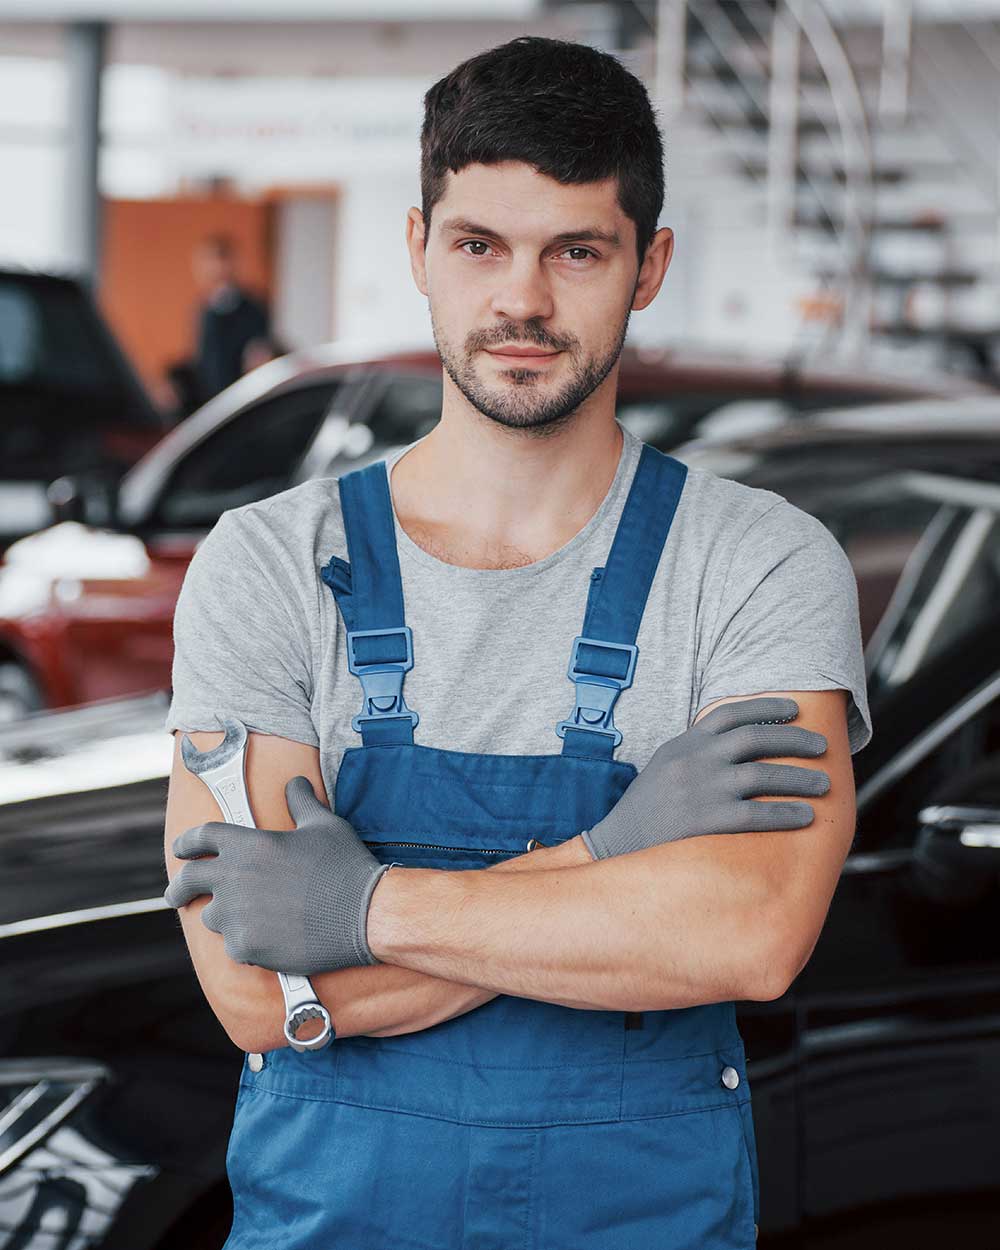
x=751 y=594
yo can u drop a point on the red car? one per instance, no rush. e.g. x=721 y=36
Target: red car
x=86 y=605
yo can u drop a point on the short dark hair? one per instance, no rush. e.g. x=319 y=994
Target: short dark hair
x=574 y=112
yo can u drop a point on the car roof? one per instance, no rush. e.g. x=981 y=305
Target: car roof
x=971 y=417
x=954 y=437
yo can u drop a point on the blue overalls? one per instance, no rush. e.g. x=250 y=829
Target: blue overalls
x=520 y=1125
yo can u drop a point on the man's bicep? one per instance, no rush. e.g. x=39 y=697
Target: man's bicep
x=787 y=617
x=241 y=641
x=234 y=990
x=804 y=864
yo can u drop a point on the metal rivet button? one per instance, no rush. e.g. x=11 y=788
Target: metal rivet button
x=256 y=1062
x=730 y=1078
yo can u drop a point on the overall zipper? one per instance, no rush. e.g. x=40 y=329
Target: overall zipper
x=431 y=846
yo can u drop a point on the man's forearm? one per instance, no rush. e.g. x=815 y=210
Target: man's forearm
x=384 y=1000
x=674 y=926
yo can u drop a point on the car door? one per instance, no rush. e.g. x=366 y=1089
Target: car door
x=899 y=1006
x=115 y=629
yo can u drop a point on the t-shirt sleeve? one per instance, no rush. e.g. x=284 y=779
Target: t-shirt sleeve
x=239 y=649
x=788 y=618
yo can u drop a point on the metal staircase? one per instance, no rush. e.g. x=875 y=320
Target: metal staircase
x=857 y=143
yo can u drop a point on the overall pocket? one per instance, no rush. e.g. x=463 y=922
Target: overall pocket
x=678 y=1181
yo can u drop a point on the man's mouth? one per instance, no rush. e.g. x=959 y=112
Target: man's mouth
x=516 y=352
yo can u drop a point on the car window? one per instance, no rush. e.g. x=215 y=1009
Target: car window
x=935 y=736
x=249 y=458
x=948 y=587
x=665 y=421
x=407 y=408
x=934 y=652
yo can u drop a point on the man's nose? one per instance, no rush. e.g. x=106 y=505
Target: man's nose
x=524 y=293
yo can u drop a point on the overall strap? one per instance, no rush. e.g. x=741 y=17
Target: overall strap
x=602 y=662
x=369 y=593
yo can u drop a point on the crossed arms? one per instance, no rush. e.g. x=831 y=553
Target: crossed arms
x=708 y=919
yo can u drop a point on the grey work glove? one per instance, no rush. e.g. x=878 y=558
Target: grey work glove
x=292 y=900
x=699 y=782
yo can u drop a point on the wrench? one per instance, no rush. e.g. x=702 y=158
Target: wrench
x=222 y=769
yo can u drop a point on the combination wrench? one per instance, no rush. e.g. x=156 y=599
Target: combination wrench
x=223 y=769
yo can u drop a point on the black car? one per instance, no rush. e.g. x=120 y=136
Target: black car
x=70 y=401
x=875 y=1089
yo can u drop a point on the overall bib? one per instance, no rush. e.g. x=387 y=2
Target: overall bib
x=520 y=1125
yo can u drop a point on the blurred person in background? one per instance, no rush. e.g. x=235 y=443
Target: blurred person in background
x=233 y=332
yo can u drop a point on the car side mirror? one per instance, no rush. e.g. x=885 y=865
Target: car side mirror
x=957 y=855
x=66 y=499
x=89 y=501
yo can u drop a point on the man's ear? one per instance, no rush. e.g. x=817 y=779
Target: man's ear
x=653 y=268
x=416 y=243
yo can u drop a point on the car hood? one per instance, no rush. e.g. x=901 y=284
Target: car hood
x=82 y=803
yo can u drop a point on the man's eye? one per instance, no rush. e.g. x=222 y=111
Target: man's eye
x=586 y=250
x=587 y=253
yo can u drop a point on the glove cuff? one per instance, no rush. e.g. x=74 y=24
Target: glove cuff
x=585 y=835
x=363 y=950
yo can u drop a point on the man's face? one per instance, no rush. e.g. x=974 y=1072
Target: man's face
x=516 y=260
x=212 y=268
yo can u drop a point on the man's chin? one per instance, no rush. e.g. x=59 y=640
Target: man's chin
x=521 y=419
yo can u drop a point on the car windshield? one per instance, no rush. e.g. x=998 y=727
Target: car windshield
x=51 y=340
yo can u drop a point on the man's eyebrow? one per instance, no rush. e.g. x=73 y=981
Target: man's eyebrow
x=591 y=234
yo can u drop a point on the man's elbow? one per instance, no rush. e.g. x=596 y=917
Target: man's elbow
x=246 y=1001
x=254 y=1023
x=252 y=1033
x=768 y=983
x=784 y=950
x=791 y=919
x=240 y=1026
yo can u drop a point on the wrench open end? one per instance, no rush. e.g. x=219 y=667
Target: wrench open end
x=202 y=761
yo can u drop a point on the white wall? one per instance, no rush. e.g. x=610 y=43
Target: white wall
x=375 y=295
x=303 y=309
x=32 y=106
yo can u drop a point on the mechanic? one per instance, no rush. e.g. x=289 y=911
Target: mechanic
x=522 y=901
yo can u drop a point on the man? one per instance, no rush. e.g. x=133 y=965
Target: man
x=233 y=326
x=534 y=1047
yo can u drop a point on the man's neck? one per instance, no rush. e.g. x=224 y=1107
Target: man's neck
x=480 y=495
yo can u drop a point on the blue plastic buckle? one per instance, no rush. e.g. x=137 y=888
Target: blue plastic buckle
x=381 y=681
x=596 y=693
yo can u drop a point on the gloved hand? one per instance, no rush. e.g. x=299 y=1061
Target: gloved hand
x=292 y=900
x=698 y=782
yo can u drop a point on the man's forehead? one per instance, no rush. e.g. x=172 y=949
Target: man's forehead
x=514 y=198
